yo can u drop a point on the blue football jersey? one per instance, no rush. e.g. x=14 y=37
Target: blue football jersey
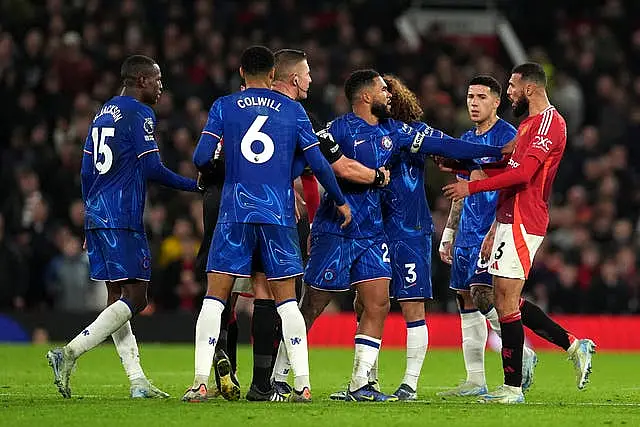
x=262 y=131
x=113 y=182
x=372 y=146
x=479 y=210
x=405 y=209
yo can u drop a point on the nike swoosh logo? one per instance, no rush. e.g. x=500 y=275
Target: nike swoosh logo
x=355 y=144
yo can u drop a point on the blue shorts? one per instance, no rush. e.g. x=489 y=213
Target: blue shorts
x=411 y=266
x=117 y=254
x=336 y=263
x=234 y=246
x=468 y=269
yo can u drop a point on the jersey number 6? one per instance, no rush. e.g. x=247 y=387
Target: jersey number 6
x=253 y=134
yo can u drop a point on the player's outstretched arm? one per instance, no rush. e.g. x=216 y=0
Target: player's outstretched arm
x=520 y=175
x=154 y=170
x=451 y=147
x=322 y=170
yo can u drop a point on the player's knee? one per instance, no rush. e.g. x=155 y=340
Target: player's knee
x=465 y=301
x=482 y=297
x=378 y=308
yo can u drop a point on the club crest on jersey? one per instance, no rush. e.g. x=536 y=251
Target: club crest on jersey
x=148 y=125
x=523 y=129
x=386 y=142
x=329 y=275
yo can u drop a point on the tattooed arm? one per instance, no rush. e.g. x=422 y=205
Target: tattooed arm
x=448 y=235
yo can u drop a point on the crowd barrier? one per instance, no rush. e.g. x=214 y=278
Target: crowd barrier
x=614 y=333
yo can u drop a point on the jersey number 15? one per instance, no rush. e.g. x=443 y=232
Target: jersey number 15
x=99 y=137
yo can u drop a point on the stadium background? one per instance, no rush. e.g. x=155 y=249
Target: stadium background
x=59 y=60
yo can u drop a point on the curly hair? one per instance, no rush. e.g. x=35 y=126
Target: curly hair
x=404 y=103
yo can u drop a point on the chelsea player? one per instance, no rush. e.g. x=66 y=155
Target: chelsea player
x=262 y=131
x=358 y=255
x=120 y=155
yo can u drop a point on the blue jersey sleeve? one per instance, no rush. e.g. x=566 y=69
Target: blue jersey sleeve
x=87 y=174
x=209 y=138
x=142 y=128
x=154 y=170
x=322 y=170
x=434 y=141
x=306 y=136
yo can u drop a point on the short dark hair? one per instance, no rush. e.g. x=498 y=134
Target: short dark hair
x=134 y=67
x=287 y=59
x=488 y=81
x=356 y=81
x=532 y=72
x=257 y=60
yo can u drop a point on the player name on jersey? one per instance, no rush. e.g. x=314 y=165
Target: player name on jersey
x=259 y=101
x=111 y=109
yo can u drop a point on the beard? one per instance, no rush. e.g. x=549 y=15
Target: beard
x=380 y=110
x=521 y=106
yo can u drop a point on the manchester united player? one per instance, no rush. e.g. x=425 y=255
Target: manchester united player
x=522 y=218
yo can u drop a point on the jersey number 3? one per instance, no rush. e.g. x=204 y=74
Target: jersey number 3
x=254 y=134
x=99 y=137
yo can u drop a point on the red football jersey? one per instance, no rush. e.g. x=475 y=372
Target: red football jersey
x=543 y=136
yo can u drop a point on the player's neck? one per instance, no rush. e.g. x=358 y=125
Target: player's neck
x=284 y=89
x=127 y=91
x=362 y=111
x=538 y=104
x=258 y=82
x=484 y=126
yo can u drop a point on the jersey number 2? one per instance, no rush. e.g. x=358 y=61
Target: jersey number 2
x=99 y=136
x=254 y=134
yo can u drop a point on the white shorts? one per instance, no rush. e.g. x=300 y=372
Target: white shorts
x=513 y=251
x=242 y=285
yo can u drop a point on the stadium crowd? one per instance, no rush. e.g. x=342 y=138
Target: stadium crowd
x=60 y=61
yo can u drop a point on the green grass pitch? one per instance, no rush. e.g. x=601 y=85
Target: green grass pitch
x=100 y=393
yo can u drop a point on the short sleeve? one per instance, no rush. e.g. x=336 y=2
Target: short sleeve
x=143 y=128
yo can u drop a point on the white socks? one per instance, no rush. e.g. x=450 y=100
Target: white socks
x=474 y=339
x=494 y=320
x=294 y=336
x=373 y=373
x=366 y=354
x=107 y=322
x=281 y=367
x=207 y=331
x=127 y=348
x=417 y=342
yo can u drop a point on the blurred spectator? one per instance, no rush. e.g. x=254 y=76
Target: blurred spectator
x=60 y=60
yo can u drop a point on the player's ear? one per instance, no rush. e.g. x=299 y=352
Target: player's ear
x=272 y=74
x=241 y=71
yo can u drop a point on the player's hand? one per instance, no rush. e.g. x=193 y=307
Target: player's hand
x=509 y=147
x=299 y=205
x=487 y=245
x=446 y=252
x=447 y=165
x=199 y=182
x=383 y=177
x=345 y=211
x=446 y=244
x=456 y=191
x=477 y=174
x=84 y=244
